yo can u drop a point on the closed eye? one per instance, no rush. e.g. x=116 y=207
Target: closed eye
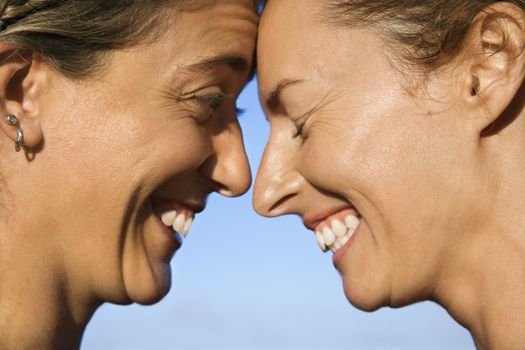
x=299 y=132
x=214 y=101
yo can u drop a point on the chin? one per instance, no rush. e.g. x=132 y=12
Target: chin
x=151 y=289
x=363 y=301
x=366 y=294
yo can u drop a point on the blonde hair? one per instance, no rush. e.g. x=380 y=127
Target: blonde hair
x=425 y=33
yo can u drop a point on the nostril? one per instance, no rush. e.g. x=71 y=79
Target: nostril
x=267 y=209
x=219 y=188
x=235 y=187
x=276 y=192
x=279 y=207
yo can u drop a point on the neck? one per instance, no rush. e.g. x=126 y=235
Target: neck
x=488 y=297
x=38 y=309
x=483 y=285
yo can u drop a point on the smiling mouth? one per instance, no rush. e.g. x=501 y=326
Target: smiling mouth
x=178 y=221
x=334 y=231
x=177 y=217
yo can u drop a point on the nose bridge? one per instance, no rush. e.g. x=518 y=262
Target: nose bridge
x=277 y=180
x=230 y=168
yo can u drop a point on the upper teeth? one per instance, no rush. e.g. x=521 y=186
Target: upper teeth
x=180 y=223
x=336 y=233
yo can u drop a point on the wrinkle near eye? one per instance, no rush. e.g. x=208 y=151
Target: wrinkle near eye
x=176 y=105
x=306 y=98
x=328 y=125
x=313 y=117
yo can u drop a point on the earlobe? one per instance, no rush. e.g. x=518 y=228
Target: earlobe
x=18 y=96
x=496 y=61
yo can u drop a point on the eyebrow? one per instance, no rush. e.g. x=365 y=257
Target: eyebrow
x=237 y=63
x=274 y=98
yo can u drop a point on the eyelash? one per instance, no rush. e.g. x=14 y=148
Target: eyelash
x=299 y=132
x=214 y=102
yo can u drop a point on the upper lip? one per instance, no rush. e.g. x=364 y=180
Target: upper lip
x=311 y=221
x=193 y=205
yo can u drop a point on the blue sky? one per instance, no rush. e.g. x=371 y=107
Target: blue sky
x=241 y=281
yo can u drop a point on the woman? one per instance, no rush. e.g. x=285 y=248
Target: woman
x=398 y=135
x=118 y=120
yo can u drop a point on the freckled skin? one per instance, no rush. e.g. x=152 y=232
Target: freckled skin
x=81 y=231
x=413 y=163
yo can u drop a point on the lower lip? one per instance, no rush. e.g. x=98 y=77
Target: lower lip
x=338 y=255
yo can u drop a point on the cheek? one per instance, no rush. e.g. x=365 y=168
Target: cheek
x=171 y=148
x=359 y=155
x=387 y=166
x=105 y=164
x=139 y=147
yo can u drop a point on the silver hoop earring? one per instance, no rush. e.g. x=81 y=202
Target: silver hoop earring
x=13 y=121
x=19 y=138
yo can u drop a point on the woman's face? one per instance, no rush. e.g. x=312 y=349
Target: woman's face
x=381 y=174
x=154 y=134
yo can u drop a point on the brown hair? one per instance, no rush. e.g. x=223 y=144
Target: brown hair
x=74 y=35
x=424 y=33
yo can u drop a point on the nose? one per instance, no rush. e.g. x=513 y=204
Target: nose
x=228 y=167
x=278 y=183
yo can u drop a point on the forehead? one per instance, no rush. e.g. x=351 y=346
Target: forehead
x=223 y=28
x=296 y=42
x=289 y=38
x=230 y=23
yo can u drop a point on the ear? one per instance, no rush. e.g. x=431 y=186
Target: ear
x=22 y=78
x=495 y=59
